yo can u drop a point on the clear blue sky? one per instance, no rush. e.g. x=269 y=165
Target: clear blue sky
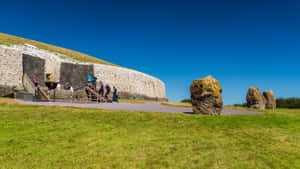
x=242 y=43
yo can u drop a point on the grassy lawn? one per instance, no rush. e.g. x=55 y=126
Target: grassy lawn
x=61 y=137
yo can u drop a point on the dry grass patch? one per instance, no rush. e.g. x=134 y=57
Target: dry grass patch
x=8 y=101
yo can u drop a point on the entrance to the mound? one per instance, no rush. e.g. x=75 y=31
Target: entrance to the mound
x=32 y=65
x=76 y=74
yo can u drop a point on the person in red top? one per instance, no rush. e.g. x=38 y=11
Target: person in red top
x=36 y=80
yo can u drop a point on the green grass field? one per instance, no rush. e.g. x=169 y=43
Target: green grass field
x=60 y=137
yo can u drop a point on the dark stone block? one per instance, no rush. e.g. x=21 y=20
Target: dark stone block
x=32 y=65
x=24 y=96
x=76 y=74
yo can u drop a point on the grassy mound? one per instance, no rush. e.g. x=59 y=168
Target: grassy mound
x=14 y=40
x=61 y=137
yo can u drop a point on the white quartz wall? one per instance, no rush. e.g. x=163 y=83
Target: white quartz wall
x=130 y=81
x=52 y=60
x=126 y=80
x=11 y=68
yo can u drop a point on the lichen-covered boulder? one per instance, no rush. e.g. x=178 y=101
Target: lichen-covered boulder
x=255 y=99
x=269 y=99
x=206 y=96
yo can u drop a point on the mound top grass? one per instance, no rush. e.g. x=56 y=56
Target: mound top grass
x=14 y=40
x=66 y=137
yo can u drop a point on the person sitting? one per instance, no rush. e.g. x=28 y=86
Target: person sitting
x=101 y=89
x=68 y=86
x=115 y=94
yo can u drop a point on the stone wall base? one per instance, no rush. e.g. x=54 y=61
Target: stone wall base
x=131 y=96
x=6 y=91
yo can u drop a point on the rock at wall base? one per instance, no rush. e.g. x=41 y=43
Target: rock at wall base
x=6 y=91
x=130 y=96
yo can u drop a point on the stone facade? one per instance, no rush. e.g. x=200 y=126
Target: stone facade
x=34 y=65
x=11 y=68
x=130 y=83
x=6 y=91
x=76 y=74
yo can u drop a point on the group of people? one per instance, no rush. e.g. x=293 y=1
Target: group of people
x=68 y=86
x=92 y=83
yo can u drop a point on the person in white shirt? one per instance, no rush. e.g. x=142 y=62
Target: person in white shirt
x=71 y=89
x=58 y=86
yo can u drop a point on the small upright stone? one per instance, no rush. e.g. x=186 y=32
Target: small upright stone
x=255 y=98
x=206 y=96
x=269 y=99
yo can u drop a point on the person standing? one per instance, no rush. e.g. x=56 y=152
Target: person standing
x=36 y=84
x=36 y=80
x=89 y=80
x=115 y=94
x=95 y=83
x=101 y=89
x=72 y=91
x=58 y=87
x=107 y=88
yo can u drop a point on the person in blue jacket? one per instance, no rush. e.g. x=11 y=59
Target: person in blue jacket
x=101 y=89
x=94 y=82
x=115 y=94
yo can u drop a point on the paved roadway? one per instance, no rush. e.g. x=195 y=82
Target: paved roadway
x=146 y=107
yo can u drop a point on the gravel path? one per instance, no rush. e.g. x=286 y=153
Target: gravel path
x=146 y=107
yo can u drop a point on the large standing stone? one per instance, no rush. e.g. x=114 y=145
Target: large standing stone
x=206 y=96
x=255 y=98
x=269 y=99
